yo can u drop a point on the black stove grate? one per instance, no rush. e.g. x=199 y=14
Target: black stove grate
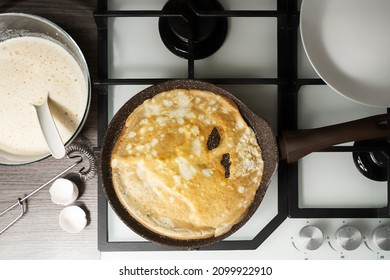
x=288 y=85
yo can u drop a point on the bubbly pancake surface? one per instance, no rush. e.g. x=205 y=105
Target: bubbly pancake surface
x=168 y=176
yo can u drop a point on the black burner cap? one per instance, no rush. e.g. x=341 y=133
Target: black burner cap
x=372 y=164
x=208 y=32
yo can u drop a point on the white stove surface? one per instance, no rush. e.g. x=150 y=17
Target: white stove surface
x=325 y=179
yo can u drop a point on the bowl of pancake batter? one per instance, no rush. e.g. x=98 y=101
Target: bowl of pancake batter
x=37 y=60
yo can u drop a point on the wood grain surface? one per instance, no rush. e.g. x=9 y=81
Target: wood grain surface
x=38 y=234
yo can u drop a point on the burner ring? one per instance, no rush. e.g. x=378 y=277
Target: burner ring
x=372 y=164
x=208 y=33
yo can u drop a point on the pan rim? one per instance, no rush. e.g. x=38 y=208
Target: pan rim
x=265 y=138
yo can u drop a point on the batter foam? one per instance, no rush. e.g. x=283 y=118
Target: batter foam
x=30 y=69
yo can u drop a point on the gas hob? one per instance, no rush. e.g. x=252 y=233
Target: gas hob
x=322 y=207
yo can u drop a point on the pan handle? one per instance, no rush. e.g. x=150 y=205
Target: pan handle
x=294 y=145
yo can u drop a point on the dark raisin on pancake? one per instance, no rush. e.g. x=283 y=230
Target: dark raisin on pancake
x=214 y=139
x=225 y=161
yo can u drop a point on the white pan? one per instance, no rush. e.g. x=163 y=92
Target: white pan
x=348 y=44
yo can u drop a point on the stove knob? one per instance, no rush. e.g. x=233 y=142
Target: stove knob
x=349 y=238
x=381 y=237
x=311 y=237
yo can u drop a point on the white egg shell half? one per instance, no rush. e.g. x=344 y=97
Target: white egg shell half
x=63 y=192
x=73 y=219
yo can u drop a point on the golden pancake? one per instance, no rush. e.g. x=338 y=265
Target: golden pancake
x=186 y=164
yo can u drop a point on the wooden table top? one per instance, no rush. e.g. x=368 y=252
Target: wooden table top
x=38 y=234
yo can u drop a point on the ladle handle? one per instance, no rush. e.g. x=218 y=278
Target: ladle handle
x=50 y=132
x=294 y=145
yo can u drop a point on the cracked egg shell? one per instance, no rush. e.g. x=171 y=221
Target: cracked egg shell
x=73 y=219
x=63 y=192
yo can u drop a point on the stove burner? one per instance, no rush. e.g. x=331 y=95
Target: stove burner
x=373 y=165
x=208 y=32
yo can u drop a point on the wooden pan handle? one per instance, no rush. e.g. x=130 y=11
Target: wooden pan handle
x=294 y=145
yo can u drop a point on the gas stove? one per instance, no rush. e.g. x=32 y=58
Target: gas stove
x=322 y=207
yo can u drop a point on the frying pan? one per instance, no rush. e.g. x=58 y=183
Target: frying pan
x=292 y=146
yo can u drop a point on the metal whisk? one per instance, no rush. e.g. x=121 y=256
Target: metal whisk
x=73 y=151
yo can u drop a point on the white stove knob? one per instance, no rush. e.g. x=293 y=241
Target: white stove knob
x=311 y=237
x=349 y=238
x=381 y=237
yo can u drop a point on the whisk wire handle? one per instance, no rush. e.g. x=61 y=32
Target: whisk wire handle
x=22 y=211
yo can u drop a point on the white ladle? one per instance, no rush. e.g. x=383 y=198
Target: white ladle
x=49 y=129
